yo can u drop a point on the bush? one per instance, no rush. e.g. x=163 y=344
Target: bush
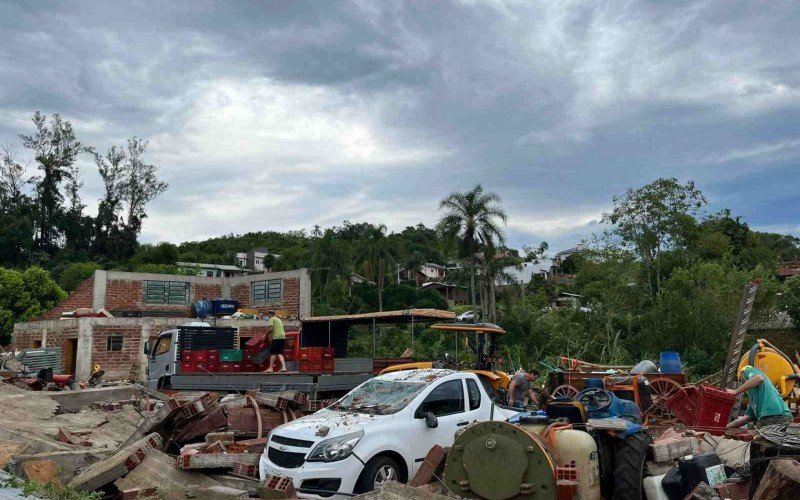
x=75 y=274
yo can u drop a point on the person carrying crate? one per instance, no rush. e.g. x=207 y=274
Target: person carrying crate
x=767 y=407
x=277 y=342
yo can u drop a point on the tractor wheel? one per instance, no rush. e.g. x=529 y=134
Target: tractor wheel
x=629 y=467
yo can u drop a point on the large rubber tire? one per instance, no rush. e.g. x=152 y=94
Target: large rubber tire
x=367 y=478
x=629 y=467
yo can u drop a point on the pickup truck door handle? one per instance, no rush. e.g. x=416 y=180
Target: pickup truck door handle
x=461 y=424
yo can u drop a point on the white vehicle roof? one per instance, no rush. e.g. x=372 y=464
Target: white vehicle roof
x=415 y=376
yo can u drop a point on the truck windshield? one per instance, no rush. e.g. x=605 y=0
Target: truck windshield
x=380 y=397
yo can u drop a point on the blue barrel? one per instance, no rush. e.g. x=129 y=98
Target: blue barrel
x=224 y=307
x=202 y=308
x=594 y=383
x=671 y=362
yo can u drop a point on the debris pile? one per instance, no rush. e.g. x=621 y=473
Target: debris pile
x=133 y=442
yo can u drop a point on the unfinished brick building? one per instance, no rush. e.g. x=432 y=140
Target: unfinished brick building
x=143 y=305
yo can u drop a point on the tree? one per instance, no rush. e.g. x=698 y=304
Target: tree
x=55 y=149
x=140 y=187
x=76 y=273
x=653 y=219
x=16 y=210
x=376 y=254
x=24 y=295
x=790 y=299
x=474 y=217
x=107 y=233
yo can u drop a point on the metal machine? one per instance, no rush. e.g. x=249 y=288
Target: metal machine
x=543 y=459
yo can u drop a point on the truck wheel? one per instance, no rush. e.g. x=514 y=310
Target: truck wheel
x=376 y=473
x=629 y=467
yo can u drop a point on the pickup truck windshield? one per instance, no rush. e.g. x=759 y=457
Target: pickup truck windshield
x=379 y=396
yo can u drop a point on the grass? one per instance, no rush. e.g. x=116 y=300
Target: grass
x=48 y=491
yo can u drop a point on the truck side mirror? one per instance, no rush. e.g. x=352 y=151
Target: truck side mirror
x=148 y=348
x=431 y=421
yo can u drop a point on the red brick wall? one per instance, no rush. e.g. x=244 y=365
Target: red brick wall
x=208 y=291
x=127 y=295
x=124 y=295
x=291 y=296
x=83 y=296
x=55 y=338
x=117 y=364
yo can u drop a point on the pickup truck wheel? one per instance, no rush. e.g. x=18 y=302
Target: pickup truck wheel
x=376 y=473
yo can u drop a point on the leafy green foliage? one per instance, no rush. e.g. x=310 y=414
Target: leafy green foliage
x=76 y=273
x=24 y=295
x=790 y=299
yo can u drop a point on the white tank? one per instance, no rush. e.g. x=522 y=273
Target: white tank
x=578 y=449
x=653 y=489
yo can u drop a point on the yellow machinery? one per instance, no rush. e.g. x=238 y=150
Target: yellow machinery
x=485 y=352
x=777 y=366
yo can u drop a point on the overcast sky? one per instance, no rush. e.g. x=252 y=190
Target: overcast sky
x=281 y=115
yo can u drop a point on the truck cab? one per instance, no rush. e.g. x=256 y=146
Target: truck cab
x=379 y=431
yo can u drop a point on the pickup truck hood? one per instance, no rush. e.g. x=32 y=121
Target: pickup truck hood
x=338 y=423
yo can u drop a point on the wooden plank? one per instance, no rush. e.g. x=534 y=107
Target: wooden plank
x=781 y=481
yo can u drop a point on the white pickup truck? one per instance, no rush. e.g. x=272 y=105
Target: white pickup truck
x=379 y=431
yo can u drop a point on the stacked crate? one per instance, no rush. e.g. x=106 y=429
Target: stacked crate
x=317 y=359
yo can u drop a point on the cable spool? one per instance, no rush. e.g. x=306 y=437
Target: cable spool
x=497 y=461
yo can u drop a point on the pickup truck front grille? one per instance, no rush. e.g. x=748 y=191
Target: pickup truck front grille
x=300 y=443
x=286 y=459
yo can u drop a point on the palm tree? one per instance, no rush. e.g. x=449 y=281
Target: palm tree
x=474 y=217
x=377 y=256
x=413 y=263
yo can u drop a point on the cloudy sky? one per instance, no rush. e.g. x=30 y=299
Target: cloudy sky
x=281 y=115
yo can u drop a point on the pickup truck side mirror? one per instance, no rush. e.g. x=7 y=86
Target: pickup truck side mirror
x=430 y=419
x=148 y=348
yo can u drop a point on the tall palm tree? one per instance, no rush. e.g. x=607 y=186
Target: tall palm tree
x=377 y=256
x=474 y=217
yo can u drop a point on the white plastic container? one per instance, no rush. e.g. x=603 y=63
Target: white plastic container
x=653 y=489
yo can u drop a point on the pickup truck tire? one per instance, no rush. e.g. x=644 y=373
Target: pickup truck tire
x=377 y=471
x=629 y=467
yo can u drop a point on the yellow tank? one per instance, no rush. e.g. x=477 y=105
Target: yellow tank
x=775 y=365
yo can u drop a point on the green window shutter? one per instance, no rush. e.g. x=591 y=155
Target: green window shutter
x=268 y=291
x=166 y=292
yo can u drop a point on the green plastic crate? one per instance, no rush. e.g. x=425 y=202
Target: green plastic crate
x=230 y=356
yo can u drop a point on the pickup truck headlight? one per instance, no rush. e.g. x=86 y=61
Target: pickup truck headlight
x=335 y=449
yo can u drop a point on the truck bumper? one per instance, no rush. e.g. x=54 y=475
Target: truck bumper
x=347 y=471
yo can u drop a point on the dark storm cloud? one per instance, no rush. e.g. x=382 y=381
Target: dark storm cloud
x=374 y=110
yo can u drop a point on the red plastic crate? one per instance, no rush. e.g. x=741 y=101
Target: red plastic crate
x=200 y=356
x=201 y=366
x=187 y=356
x=311 y=366
x=213 y=366
x=328 y=353
x=311 y=353
x=685 y=404
x=328 y=366
x=247 y=366
x=715 y=408
x=213 y=356
x=226 y=367
x=256 y=345
x=187 y=367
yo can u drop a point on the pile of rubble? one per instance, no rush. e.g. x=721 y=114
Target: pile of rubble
x=133 y=442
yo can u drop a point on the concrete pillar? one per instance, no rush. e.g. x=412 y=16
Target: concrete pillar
x=147 y=327
x=83 y=356
x=305 y=293
x=44 y=337
x=99 y=294
x=226 y=288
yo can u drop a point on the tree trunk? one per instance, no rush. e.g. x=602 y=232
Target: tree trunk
x=380 y=285
x=472 y=281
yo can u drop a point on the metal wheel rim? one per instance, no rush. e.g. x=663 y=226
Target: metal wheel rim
x=384 y=475
x=661 y=389
x=565 y=391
